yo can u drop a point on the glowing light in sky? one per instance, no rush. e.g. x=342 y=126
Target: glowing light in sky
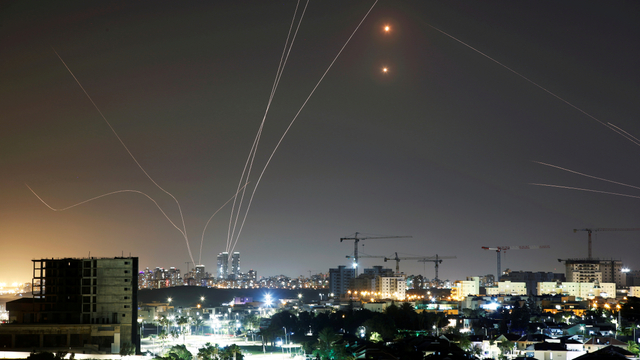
x=384 y=69
x=387 y=28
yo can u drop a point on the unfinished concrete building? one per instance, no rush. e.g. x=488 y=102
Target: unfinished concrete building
x=88 y=305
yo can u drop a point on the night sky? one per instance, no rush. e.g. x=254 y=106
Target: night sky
x=441 y=147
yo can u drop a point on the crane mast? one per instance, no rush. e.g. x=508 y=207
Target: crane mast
x=437 y=260
x=589 y=231
x=499 y=249
x=356 y=239
x=397 y=259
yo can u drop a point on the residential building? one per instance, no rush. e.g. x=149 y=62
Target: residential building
x=200 y=275
x=391 y=287
x=339 y=279
x=79 y=304
x=590 y=270
x=507 y=288
x=531 y=279
x=223 y=265
x=578 y=289
x=235 y=265
x=464 y=288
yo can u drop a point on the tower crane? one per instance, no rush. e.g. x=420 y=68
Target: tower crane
x=356 y=239
x=437 y=260
x=499 y=249
x=397 y=259
x=367 y=256
x=589 y=231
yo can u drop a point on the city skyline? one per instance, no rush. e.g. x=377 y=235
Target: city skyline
x=441 y=145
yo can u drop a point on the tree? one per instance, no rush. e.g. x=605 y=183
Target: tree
x=505 y=347
x=631 y=309
x=127 y=349
x=163 y=337
x=281 y=320
x=199 y=323
x=268 y=336
x=326 y=342
x=633 y=347
x=164 y=322
x=182 y=322
x=465 y=343
x=208 y=352
x=520 y=318
x=231 y=352
x=375 y=337
x=382 y=324
x=177 y=352
x=251 y=322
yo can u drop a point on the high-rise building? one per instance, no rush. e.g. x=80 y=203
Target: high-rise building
x=235 y=265
x=174 y=277
x=339 y=279
x=200 y=275
x=223 y=265
x=590 y=270
x=391 y=287
x=87 y=304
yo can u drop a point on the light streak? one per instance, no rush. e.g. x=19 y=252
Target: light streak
x=214 y=214
x=588 y=190
x=587 y=175
x=254 y=148
x=294 y=119
x=103 y=195
x=184 y=231
x=608 y=125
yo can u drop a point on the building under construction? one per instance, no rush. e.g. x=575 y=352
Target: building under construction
x=78 y=305
x=600 y=270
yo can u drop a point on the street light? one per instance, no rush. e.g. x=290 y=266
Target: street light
x=140 y=326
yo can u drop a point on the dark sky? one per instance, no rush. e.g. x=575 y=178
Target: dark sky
x=441 y=147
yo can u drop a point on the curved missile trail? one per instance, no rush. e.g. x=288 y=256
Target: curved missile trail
x=294 y=119
x=254 y=148
x=184 y=228
x=208 y=221
x=587 y=175
x=107 y=194
x=589 y=190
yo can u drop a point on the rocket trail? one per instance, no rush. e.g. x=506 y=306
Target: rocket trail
x=586 y=175
x=608 y=125
x=184 y=228
x=294 y=119
x=625 y=134
x=107 y=194
x=214 y=214
x=254 y=149
x=589 y=190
